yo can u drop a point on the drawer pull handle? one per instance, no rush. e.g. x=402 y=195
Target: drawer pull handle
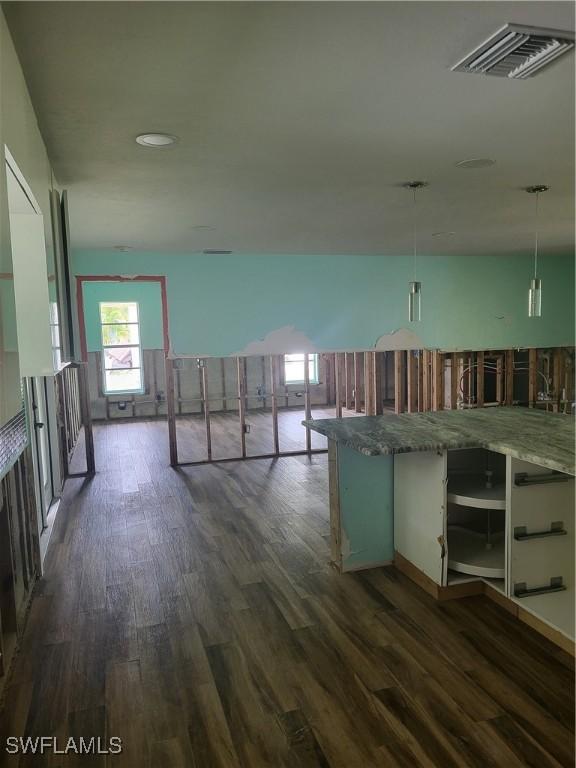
x=556 y=585
x=556 y=529
x=523 y=478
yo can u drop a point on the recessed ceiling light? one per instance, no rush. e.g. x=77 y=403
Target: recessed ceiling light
x=122 y=247
x=475 y=162
x=156 y=140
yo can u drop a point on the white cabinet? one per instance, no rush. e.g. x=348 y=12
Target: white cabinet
x=420 y=511
x=541 y=542
x=470 y=515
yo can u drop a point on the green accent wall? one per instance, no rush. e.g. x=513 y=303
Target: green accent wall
x=149 y=301
x=218 y=304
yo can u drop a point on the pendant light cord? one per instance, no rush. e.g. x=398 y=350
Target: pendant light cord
x=536 y=239
x=414 y=231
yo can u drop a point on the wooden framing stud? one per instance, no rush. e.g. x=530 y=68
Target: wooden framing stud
x=412 y=382
x=480 y=379
x=205 y=395
x=454 y=381
x=532 y=377
x=339 y=373
x=172 y=439
x=369 y=384
x=509 y=377
x=437 y=381
x=399 y=370
x=273 y=378
x=307 y=404
x=358 y=364
x=378 y=393
x=558 y=381
x=349 y=379
x=241 y=379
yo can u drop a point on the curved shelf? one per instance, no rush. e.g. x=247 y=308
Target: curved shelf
x=470 y=491
x=467 y=553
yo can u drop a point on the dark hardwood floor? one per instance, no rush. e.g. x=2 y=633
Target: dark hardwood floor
x=193 y=614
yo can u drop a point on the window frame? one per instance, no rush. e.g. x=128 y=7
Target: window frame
x=313 y=360
x=135 y=391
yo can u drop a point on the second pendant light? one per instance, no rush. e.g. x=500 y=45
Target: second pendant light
x=414 y=286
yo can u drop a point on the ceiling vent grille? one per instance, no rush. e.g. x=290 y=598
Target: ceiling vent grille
x=516 y=51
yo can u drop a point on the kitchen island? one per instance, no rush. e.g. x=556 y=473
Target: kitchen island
x=463 y=502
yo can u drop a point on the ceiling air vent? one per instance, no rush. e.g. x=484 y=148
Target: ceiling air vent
x=216 y=251
x=516 y=51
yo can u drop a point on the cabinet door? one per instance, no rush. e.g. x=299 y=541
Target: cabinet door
x=420 y=511
x=541 y=542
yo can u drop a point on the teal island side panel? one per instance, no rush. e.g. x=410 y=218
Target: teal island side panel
x=366 y=491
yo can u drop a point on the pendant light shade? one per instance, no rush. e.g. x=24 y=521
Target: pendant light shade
x=414 y=286
x=535 y=290
x=535 y=298
x=414 y=296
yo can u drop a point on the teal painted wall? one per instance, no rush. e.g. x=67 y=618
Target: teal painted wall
x=149 y=305
x=366 y=486
x=219 y=304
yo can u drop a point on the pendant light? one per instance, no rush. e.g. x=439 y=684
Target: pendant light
x=414 y=286
x=535 y=291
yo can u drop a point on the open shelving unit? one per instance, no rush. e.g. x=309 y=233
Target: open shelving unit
x=476 y=528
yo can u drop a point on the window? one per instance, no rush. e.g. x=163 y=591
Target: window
x=294 y=368
x=55 y=334
x=121 y=350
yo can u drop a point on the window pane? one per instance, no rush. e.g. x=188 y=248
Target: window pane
x=120 y=334
x=123 y=381
x=119 y=312
x=313 y=368
x=121 y=357
x=55 y=335
x=294 y=371
x=294 y=368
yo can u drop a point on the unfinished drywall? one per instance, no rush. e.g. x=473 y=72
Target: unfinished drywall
x=220 y=304
x=222 y=385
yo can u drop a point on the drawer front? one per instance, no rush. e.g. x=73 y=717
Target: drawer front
x=541 y=542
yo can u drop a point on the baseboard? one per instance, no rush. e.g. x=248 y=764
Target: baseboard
x=470 y=588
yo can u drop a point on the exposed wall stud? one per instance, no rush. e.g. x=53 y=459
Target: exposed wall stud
x=240 y=373
x=532 y=377
x=412 y=382
x=399 y=369
x=358 y=364
x=307 y=405
x=273 y=378
x=338 y=374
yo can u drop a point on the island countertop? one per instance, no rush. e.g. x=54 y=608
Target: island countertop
x=542 y=438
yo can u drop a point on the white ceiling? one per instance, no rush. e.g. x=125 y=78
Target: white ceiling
x=298 y=123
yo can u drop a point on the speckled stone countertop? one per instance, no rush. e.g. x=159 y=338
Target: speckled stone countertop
x=526 y=433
